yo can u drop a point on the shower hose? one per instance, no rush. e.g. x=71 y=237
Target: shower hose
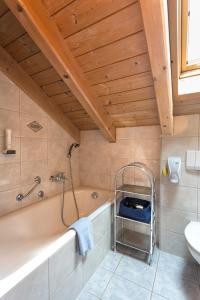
x=63 y=196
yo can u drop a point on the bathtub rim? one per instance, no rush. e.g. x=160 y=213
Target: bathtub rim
x=37 y=202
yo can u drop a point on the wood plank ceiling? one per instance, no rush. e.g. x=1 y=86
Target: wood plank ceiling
x=108 y=41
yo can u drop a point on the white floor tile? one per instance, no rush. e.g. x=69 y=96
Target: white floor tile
x=98 y=282
x=175 y=287
x=121 y=289
x=171 y=278
x=158 y=297
x=111 y=261
x=137 y=271
x=177 y=267
x=156 y=255
x=86 y=296
x=176 y=278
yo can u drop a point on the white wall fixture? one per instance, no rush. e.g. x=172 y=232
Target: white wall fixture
x=190 y=159
x=174 y=169
x=8 y=136
x=193 y=160
x=8 y=143
x=197 y=160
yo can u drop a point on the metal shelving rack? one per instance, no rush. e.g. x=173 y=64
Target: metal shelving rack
x=141 y=192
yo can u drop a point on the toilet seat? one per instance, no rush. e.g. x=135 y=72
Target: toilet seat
x=192 y=235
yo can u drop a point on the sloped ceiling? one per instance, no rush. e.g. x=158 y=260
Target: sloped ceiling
x=108 y=41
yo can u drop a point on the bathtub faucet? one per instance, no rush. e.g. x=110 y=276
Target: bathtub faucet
x=60 y=177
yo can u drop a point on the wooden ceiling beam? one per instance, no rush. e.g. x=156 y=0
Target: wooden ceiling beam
x=16 y=74
x=35 y=19
x=155 y=18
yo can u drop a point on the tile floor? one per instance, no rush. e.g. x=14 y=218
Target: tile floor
x=121 y=277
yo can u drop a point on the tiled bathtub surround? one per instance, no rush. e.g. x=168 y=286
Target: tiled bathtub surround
x=65 y=273
x=41 y=153
x=179 y=204
x=99 y=159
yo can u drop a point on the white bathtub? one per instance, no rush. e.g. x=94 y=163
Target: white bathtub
x=30 y=236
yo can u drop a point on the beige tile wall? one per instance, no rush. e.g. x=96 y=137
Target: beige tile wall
x=99 y=159
x=179 y=204
x=42 y=153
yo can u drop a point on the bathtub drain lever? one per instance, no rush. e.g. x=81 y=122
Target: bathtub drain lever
x=37 y=181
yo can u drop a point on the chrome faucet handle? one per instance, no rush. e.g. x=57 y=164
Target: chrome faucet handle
x=60 y=177
x=60 y=174
x=51 y=178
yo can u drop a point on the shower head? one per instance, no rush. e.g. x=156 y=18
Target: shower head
x=73 y=146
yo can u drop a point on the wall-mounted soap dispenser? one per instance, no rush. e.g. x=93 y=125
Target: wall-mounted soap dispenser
x=174 y=169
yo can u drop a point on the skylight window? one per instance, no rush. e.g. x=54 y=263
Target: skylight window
x=190 y=52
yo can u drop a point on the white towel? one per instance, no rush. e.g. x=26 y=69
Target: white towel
x=83 y=228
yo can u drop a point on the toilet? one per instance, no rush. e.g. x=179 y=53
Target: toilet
x=192 y=235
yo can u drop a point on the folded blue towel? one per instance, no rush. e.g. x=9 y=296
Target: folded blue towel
x=83 y=229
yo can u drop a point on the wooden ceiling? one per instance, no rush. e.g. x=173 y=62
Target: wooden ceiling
x=108 y=42
x=15 y=40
